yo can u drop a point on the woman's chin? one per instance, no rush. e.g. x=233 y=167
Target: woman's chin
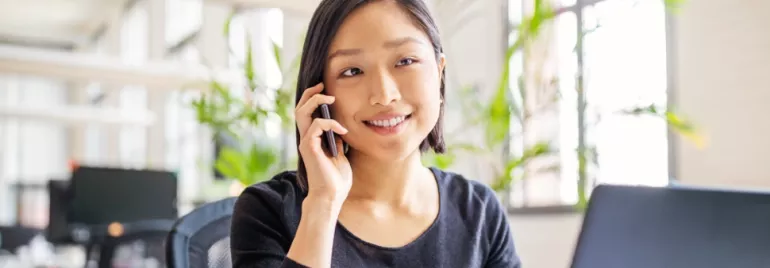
x=388 y=153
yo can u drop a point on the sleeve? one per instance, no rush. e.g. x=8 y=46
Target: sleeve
x=502 y=250
x=258 y=237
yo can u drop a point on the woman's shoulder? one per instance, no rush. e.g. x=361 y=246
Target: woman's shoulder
x=279 y=197
x=462 y=189
x=283 y=185
x=477 y=206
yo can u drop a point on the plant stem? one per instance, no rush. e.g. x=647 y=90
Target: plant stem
x=581 y=109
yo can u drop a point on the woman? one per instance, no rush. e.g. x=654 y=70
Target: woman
x=379 y=66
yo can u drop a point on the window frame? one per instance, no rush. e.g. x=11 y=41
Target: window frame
x=578 y=9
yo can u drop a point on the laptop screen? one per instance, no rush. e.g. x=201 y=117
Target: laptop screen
x=649 y=227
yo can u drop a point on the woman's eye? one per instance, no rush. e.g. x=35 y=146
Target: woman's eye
x=406 y=61
x=351 y=72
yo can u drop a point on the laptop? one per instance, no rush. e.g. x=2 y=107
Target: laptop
x=674 y=227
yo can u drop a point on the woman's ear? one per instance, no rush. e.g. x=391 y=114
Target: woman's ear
x=441 y=63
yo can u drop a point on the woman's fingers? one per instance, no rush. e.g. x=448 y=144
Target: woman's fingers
x=312 y=138
x=312 y=104
x=309 y=92
x=304 y=114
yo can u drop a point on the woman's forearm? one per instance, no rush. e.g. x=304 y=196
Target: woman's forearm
x=312 y=245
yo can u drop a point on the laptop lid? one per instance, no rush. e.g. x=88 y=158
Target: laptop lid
x=651 y=227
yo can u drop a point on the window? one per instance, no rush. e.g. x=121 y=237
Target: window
x=183 y=17
x=264 y=27
x=183 y=135
x=622 y=55
x=134 y=41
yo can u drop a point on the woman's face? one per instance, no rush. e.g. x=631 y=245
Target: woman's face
x=382 y=71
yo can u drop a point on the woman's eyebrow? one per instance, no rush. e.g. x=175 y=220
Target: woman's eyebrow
x=344 y=52
x=388 y=44
x=401 y=41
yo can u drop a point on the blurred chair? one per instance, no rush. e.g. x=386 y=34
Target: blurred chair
x=135 y=244
x=13 y=237
x=202 y=237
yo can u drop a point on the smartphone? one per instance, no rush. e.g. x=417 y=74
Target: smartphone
x=329 y=142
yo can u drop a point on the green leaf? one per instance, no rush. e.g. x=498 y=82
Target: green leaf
x=444 y=161
x=498 y=118
x=264 y=158
x=441 y=161
x=506 y=178
x=674 y=5
x=249 y=65
x=277 y=54
x=228 y=22
x=675 y=121
x=231 y=163
x=465 y=147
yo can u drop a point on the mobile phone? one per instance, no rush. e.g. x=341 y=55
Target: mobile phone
x=329 y=142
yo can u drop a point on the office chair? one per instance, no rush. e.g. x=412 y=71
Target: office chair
x=138 y=242
x=201 y=239
x=14 y=237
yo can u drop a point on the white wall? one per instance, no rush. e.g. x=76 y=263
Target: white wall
x=545 y=241
x=721 y=61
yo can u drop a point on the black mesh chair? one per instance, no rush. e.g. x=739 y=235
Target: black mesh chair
x=140 y=244
x=202 y=237
x=13 y=237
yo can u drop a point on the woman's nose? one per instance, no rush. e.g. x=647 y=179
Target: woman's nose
x=384 y=89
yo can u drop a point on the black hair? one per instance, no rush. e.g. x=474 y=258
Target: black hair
x=323 y=26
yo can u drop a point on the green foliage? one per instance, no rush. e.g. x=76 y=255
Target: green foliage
x=674 y=5
x=242 y=113
x=675 y=121
x=249 y=166
x=506 y=177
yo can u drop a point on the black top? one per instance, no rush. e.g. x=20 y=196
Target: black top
x=471 y=229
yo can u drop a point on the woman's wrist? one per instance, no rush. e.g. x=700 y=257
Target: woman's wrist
x=313 y=242
x=322 y=207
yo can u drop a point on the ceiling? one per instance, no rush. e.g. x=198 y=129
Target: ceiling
x=68 y=23
x=54 y=23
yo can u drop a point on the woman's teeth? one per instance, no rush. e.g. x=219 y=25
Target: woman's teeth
x=388 y=123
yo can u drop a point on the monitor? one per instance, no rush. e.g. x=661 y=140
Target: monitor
x=103 y=195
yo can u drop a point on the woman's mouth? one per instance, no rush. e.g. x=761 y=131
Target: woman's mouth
x=388 y=126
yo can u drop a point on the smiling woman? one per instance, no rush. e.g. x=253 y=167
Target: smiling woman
x=380 y=66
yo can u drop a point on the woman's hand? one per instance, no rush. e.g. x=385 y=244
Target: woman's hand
x=329 y=178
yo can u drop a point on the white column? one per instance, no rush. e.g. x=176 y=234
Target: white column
x=9 y=149
x=156 y=98
x=294 y=30
x=256 y=24
x=212 y=45
x=78 y=96
x=110 y=45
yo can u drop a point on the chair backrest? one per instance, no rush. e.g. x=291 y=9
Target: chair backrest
x=13 y=237
x=201 y=239
x=139 y=244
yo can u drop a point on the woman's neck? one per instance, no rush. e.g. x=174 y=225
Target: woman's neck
x=394 y=182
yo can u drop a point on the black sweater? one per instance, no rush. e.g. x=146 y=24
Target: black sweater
x=471 y=230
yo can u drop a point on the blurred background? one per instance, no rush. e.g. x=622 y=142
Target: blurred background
x=153 y=108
